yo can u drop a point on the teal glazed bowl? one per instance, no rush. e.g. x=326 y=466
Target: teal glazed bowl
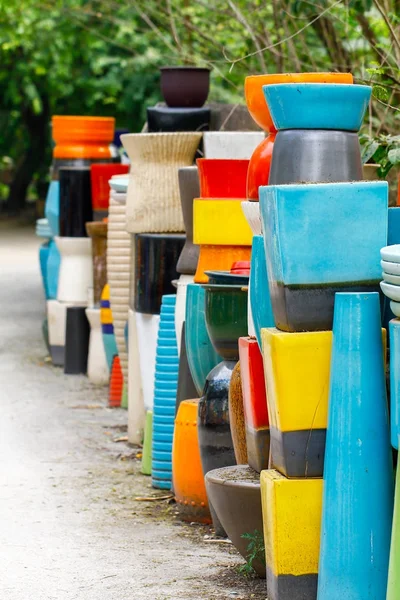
x=317 y=105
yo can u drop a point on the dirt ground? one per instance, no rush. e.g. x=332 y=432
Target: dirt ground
x=72 y=526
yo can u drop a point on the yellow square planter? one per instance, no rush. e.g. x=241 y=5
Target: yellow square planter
x=292 y=526
x=220 y=222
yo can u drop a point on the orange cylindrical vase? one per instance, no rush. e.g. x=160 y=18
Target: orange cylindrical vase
x=187 y=472
x=82 y=137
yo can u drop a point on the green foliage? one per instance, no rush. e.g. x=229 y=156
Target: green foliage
x=383 y=150
x=255 y=551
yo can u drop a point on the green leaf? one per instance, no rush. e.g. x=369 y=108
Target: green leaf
x=369 y=150
x=380 y=92
x=394 y=155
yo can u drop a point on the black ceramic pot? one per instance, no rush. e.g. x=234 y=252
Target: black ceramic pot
x=75 y=201
x=186 y=387
x=77 y=331
x=189 y=189
x=315 y=156
x=185 y=86
x=165 y=119
x=156 y=255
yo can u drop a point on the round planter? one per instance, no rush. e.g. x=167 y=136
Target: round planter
x=165 y=119
x=222 y=178
x=75 y=201
x=260 y=297
x=100 y=175
x=153 y=194
x=147 y=329
x=235 y=494
x=315 y=156
x=138 y=390
x=98 y=234
x=259 y=167
x=236 y=417
x=52 y=207
x=231 y=144
x=219 y=258
x=185 y=86
x=77 y=332
x=78 y=137
x=251 y=211
x=76 y=272
x=189 y=189
x=97 y=368
x=180 y=308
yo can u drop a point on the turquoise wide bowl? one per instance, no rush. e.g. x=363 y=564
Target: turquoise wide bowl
x=317 y=105
x=200 y=352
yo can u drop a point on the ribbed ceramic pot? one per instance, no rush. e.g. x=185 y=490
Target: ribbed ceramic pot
x=234 y=493
x=76 y=273
x=231 y=144
x=97 y=231
x=52 y=207
x=168 y=120
x=75 y=201
x=153 y=194
x=97 y=368
x=260 y=298
x=315 y=156
x=138 y=389
x=189 y=189
x=119 y=271
x=156 y=255
x=358 y=471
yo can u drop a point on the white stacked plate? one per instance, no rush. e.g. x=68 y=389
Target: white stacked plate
x=390 y=285
x=43 y=228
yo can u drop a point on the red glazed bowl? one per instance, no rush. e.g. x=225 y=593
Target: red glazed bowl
x=222 y=178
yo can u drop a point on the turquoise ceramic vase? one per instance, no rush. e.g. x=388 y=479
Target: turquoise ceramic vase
x=260 y=299
x=53 y=268
x=201 y=354
x=43 y=258
x=358 y=473
x=52 y=207
x=394 y=332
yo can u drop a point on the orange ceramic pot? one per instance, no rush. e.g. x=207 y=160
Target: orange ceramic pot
x=82 y=137
x=219 y=258
x=222 y=177
x=116 y=384
x=259 y=167
x=187 y=472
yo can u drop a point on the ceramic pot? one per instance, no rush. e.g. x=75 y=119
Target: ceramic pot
x=200 y=352
x=76 y=272
x=116 y=384
x=56 y=322
x=254 y=404
x=187 y=473
x=306 y=273
x=75 y=201
x=315 y=156
x=394 y=563
x=156 y=255
x=147 y=327
x=97 y=368
x=78 y=137
x=219 y=258
x=394 y=331
x=180 y=307
x=53 y=269
x=237 y=145
x=140 y=391
x=185 y=86
x=222 y=178
x=100 y=175
x=251 y=211
x=235 y=495
x=147 y=444
x=186 y=387
x=236 y=417
x=189 y=189
x=317 y=105
x=358 y=474
x=166 y=119
x=98 y=234
x=260 y=298
x=43 y=258
x=77 y=332
x=52 y=207
x=259 y=167
x=107 y=327
x=220 y=222
x=155 y=158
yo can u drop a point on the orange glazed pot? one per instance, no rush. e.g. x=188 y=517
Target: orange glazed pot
x=219 y=258
x=82 y=137
x=222 y=177
x=116 y=384
x=187 y=472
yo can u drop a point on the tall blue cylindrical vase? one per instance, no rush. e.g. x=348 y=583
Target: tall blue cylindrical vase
x=260 y=298
x=394 y=332
x=358 y=474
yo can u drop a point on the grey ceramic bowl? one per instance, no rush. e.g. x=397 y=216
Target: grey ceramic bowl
x=315 y=156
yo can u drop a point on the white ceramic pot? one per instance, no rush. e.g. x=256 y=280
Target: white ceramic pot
x=391 y=253
x=76 y=270
x=136 y=410
x=97 y=368
x=180 y=306
x=147 y=331
x=231 y=144
x=391 y=291
x=154 y=203
x=393 y=279
x=252 y=213
x=56 y=320
x=395 y=308
x=390 y=267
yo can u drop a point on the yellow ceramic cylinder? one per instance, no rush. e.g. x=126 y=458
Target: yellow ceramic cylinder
x=220 y=222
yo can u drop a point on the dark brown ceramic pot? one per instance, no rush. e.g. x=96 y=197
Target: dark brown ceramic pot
x=185 y=86
x=189 y=189
x=97 y=231
x=235 y=495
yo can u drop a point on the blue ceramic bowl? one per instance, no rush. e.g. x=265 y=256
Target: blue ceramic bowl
x=260 y=299
x=317 y=105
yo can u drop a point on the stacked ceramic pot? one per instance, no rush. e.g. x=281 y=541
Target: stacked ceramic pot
x=154 y=222
x=308 y=245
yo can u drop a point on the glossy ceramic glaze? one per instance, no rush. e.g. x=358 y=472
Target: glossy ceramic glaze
x=236 y=416
x=147 y=444
x=358 y=475
x=394 y=331
x=393 y=588
x=251 y=211
x=259 y=167
x=391 y=253
x=185 y=86
x=76 y=272
x=231 y=144
x=254 y=404
x=107 y=327
x=116 y=384
x=304 y=271
x=317 y=106
x=219 y=258
x=75 y=201
x=97 y=367
x=52 y=207
x=189 y=188
x=222 y=178
x=167 y=119
x=147 y=327
x=260 y=297
x=78 y=137
x=100 y=175
x=392 y=268
x=180 y=307
x=391 y=291
x=138 y=389
x=393 y=279
x=77 y=332
x=220 y=222
x=186 y=387
x=98 y=233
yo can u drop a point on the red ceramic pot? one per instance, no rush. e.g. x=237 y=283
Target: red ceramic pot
x=222 y=178
x=100 y=175
x=254 y=403
x=260 y=164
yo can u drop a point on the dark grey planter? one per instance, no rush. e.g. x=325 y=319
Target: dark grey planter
x=189 y=188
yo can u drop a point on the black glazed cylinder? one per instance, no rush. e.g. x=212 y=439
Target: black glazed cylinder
x=75 y=201
x=315 y=156
x=156 y=256
x=77 y=332
x=166 y=120
x=189 y=189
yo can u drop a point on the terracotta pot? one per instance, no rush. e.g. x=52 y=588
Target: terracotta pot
x=155 y=158
x=222 y=178
x=189 y=188
x=259 y=167
x=82 y=137
x=98 y=234
x=219 y=258
x=236 y=417
x=97 y=368
x=236 y=497
x=166 y=119
x=76 y=272
x=231 y=144
x=100 y=175
x=185 y=86
x=187 y=473
x=75 y=201
x=77 y=332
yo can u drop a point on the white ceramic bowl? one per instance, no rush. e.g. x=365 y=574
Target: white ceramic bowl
x=391 y=291
x=389 y=278
x=391 y=253
x=392 y=268
x=395 y=308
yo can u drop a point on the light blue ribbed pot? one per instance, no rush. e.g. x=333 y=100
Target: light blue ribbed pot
x=201 y=355
x=260 y=299
x=52 y=207
x=358 y=473
x=394 y=332
x=53 y=268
